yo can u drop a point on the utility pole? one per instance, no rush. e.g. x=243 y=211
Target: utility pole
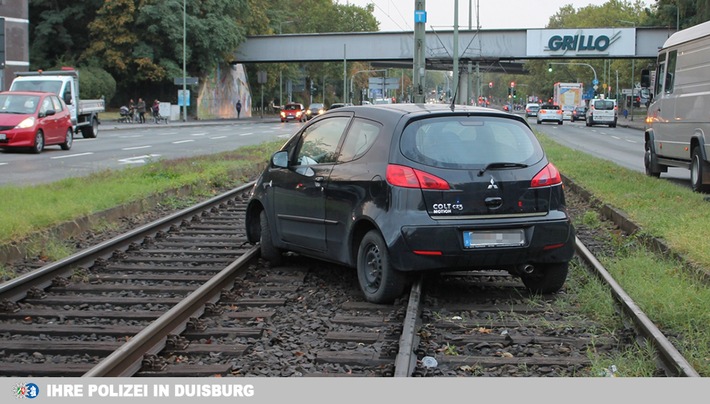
x=419 y=62
x=456 y=51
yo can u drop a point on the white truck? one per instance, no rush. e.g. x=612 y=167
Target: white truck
x=64 y=83
x=568 y=96
x=678 y=125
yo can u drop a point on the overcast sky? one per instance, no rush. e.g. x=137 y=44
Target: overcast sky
x=398 y=15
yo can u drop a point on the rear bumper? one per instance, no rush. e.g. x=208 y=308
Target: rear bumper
x=441 y=248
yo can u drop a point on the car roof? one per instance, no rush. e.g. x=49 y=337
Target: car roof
x=413 y=111
x=25 y=93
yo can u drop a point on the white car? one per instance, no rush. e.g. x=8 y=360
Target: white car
x=549 y=113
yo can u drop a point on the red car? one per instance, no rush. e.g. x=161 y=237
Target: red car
x=33 y=120
x=293 y=112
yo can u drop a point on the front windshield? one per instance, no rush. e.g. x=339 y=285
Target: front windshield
x=50 y=86
x=18 y=104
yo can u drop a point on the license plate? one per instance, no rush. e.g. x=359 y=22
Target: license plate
x=493 y=238
x=3 y=136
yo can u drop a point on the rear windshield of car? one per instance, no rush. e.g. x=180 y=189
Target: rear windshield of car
x=603 y=104
x=533 y=107
x=469 y=142
x=550 y=106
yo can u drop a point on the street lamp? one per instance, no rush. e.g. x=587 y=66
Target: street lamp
x=184 y=63
x=549 y=68
x=281 y=79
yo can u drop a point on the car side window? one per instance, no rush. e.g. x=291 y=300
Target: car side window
x=319 y=142
x=360 y=138
x=672 y=58
x=57 y=104
x=46 y=105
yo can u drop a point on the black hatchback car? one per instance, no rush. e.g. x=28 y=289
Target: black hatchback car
x=397 y=189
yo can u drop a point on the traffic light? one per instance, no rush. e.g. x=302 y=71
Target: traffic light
x=512 y=84
x=490 y=84
x=515 y=93
x=549 y=67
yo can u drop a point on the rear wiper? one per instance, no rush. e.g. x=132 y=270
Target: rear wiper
x=500 y=165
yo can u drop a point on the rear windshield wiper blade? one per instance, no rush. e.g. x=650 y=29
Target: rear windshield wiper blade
x=500 y=165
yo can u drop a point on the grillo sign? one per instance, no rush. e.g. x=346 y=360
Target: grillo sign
x=604 y=42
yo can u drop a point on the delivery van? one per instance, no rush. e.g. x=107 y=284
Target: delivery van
x=678 y=123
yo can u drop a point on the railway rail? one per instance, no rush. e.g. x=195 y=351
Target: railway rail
x=186 y=296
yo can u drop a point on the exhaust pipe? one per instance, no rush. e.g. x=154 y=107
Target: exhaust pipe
x=527 y=269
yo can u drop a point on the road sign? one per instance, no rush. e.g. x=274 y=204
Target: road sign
x=419 y=16
x=595 y=82
x=189 y=81
x=181 y=98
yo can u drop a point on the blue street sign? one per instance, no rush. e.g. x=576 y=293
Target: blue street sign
x=419 y=16
x=595 y=82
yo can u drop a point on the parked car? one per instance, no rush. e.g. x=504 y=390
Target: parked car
x=578 y=113
x=339 y=105
x=394 y=190
x=549 y=113
x=293 y=112
x=33 y=120
x=602 y=112
x=314 y=110
x=531 y=109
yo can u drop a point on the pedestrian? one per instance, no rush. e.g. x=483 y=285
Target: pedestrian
x=132 y=109
x=155 y=109
x=239 y=108
x=141 y=110
x=626 y=113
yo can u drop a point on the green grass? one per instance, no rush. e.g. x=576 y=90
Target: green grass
x=32 y=208
x=674 y=297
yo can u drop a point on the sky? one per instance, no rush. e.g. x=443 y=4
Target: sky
x=398 y=15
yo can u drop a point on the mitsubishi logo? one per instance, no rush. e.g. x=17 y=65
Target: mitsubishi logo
x=493 y=184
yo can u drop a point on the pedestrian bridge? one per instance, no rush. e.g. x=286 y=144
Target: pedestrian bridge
x=485 y=46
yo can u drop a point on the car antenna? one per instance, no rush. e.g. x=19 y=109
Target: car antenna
x=456 y=91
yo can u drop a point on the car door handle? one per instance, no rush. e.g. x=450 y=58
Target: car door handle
x=318 y=179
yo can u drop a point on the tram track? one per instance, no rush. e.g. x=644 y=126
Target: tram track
x=184 y=296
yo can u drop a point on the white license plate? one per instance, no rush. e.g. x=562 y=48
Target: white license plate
x=493 y=238
x=3 y=136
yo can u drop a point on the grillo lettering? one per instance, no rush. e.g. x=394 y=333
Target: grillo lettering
x=578 y=43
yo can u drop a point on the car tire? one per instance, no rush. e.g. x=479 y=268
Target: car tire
x=649 y=157
x=698 y=168
x=538 y=121
x=68 y=140
x=546 y=278
x=39 y=143
x=268 y=251
x=559 y=123
x=379 y=282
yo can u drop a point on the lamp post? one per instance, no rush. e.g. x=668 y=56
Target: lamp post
x=280 y=72
x=633 y=66
x=184 y=63
x=578 y=63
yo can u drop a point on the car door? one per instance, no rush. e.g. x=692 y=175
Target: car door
x=47 y=123
x=299 y=193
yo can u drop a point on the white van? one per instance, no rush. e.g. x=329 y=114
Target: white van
x=678 y=123
x=602 y=112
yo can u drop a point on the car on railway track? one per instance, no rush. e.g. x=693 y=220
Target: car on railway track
x=32 y=120
x=398 y=189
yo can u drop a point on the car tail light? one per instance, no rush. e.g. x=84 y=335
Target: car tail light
x=407 y=177
x=546 y=177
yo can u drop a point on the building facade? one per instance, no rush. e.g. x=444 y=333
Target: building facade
x=14 y=39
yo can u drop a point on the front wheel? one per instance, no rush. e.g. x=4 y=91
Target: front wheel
x=697 y=169
x=39 y=142
x=268 y=251
x=648 y=159
x=379 y=282
x=546 y=278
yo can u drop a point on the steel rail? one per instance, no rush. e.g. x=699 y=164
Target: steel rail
x=671 y=359
x=127 y=360
x=17 y=288
x=406 y=361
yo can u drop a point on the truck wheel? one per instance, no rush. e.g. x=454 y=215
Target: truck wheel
x=39 y=143
x=91 y=131
x=649 y=158
x=698 y=168
x=68 y=140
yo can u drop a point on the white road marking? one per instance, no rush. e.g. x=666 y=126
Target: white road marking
x=137 y=147
x=246 y=134
x=71 y=155
x=183 y=141
x=199 y=134
x=218 y=137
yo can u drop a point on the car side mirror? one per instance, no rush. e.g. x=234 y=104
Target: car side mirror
x=67 y=99
x=50 y=112
x=280 y=159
